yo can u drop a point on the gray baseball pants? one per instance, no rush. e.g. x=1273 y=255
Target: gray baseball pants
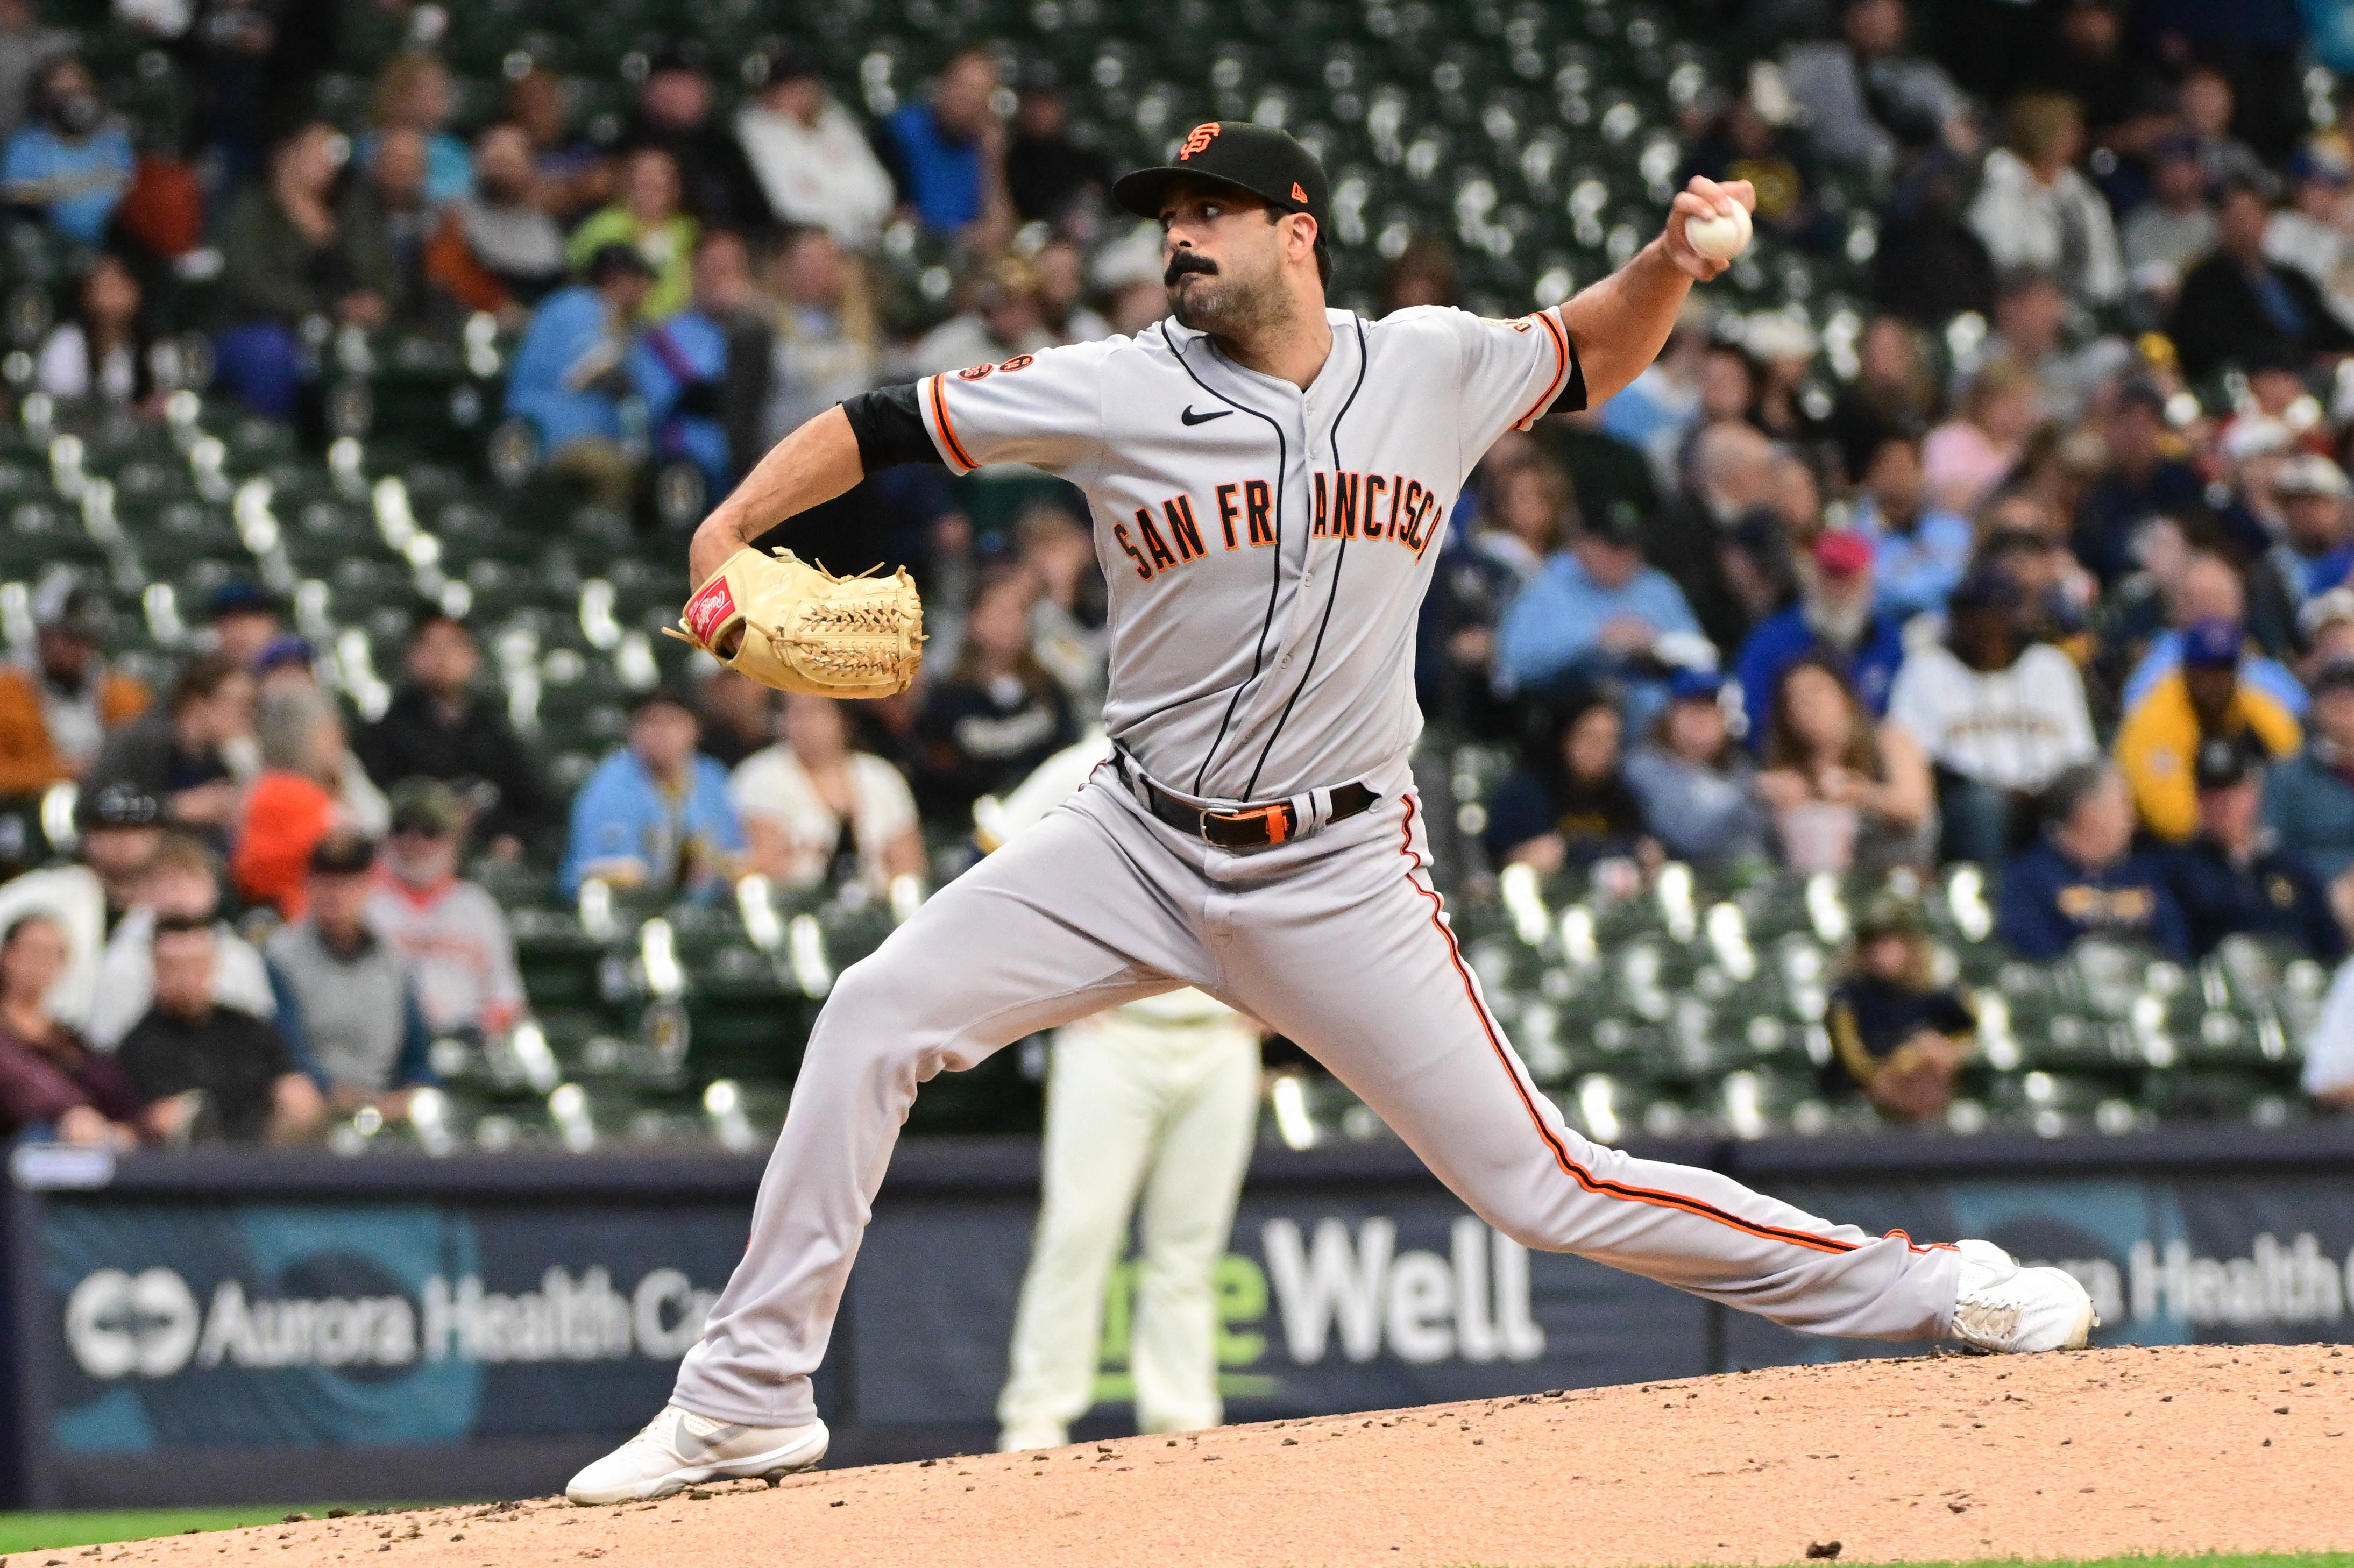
x=1337 y=940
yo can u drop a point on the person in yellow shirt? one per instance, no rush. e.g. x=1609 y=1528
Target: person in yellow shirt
x=2204 y=699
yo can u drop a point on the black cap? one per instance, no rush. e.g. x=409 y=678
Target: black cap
x=1985 y=589
x=80 y=615
x=2224 y=761
x=664 y=694
x=2337 y=675
x=342 y=853
x=117 y=806
x=788 y=61
x=1259 y=159
x=1618 y=523
x=239 y=596
x=609 y=259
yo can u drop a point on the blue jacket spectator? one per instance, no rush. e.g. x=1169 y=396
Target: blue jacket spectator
x=1919 y=552
x=2164 y=656
x=939 y=151
x=69 y=163
x=1836 y=619
x=2309 y=798
x=2082 y=880
x=2140 y=480
x=680 y=366
x=656 y=813
x=569 y=373
x=1596 y=610
x=1696 y=785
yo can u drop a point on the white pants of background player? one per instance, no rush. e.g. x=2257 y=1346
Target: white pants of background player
x=1159 y=1098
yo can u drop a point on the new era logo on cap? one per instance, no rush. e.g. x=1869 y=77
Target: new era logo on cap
x=710 y=609
x=1297 y=194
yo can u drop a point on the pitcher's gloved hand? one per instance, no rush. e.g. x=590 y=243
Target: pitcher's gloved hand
x=791 y=625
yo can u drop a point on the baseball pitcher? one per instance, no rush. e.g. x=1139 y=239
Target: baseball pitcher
x=1269 y=478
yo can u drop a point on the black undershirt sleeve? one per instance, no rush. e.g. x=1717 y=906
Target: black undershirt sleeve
x=890 y=427
x=1573 y=391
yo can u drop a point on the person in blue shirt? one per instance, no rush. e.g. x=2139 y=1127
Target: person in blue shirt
x=1919 y=552
x=2082 y=879
x=1836 y=619
x=680 y=366
x=655 y=814
x=1595 y=611
x=2309 y=797
x=946 y=152
x=2207 y=587
x=570 y=374
x=70 y=163
x=2236 y=877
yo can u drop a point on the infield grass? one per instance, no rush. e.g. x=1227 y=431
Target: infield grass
x=38 y=1532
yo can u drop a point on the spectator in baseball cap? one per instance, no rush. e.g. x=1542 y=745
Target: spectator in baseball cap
x=568 y=377
x=2309 y=797
x=2208 y=698
x=810 y=155
x=2083 y=878
x=452 y=934
x=344 y=991
x=242 y=618
x=2233 y=877
x=1835 y=619
x=675 y=105
x=2317 y=547
x=1050 y=177
x=1695 y=783
x=57 y=711
x=1895 y=1034
x=655 y=813
x=1595 y=611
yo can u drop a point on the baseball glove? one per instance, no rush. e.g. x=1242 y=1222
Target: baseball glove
x=805 y=630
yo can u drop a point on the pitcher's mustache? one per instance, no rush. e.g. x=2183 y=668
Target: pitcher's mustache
x=1184 y=261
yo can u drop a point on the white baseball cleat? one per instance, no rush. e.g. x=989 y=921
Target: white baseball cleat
x=678 y=1449
x=2009 y=1310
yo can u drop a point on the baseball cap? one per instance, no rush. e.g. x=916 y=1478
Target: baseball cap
x=1691 y=686
x=2225 y=760
x=2310 y=473
x=1268 y=164
x=286 y=650
x=342 y=853
x=117 y=806
x=663 y=695
x=2325 y=609
x=2213 y=644
x=1840 y=553
x=240 y=598
x=1987 y=590
x=787 y=62
x=425 y=806
x=1888 y=914
x=1616 y=523
x=78 y=614
x=616 y=258
x=2337 y=675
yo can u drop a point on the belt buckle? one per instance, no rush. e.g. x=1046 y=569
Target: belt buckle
x=1274 y=816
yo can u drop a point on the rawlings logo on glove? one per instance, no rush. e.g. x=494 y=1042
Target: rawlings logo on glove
x=803 y=630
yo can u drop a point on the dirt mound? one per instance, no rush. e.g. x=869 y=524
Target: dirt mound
x=2182 y=1450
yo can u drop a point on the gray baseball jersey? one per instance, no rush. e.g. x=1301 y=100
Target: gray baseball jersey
x=1267 y=550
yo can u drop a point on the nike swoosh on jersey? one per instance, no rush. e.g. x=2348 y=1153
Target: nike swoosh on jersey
x=1191 y=417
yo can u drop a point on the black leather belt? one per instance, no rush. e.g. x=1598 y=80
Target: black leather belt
x=1253 y=827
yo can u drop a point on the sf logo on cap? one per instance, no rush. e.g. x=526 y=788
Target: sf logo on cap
x=1198 y=138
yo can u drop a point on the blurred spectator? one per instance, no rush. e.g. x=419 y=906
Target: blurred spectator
x=1568 y=802
x=2205 y=699
x=2309 y=797
x=1845 y=795
x=175 y=754
x=2206 y=102
x=1869 y=103
x=1067 y=616
x=70 y=163
x=2081 y=879
x=2030 y=313
x=1695 y=783
x=2140 y=478
x=100 y=351
x=2167 y=234
x=1919 y=552
x=1782 y=349
x=1930 y=266
x=2236 y=304
x=1524 y=511
x=738 y=717
x=1595 y=613
x=569 y=376
x=180 y=881
x=1002 y=318
x=344 y=991
x=1895 y=1034
x=1837 y=621
x=295 y=802
x=1062 y=274
x=450 y=932
x=1692 y=537
x=946 y=151
x=230 y=1076
x=827 y=344
x=388 y=221
x=680 y=366
x=2326 y=632
x=496 y=248
x=50 y=1077
x=2033 y=209
x=1049 y=178
x=1741 y=144
x=1423 y=274
x=2206 y=589
x=2315 y=548
x=1966 y=457
x=810 y=155
x=2233 y=877
x=646 y=218
x=240 y=620
x=24 y=47
x=120 y=831
x=413 y=95
x=655 y=813
x=58 y=708
x=2125 y=105
x=2313 y=234
x=1893 y=394
x=1656 y=412
x=818 y=814
x=1997 y=717
x=996 y=716
x=439 y=727
x=574 y=176
x=285 y=259
x=717 y=185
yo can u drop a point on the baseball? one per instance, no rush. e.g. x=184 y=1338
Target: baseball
x=1718 y=238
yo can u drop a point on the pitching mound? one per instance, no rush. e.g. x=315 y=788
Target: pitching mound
x=2184 y=1449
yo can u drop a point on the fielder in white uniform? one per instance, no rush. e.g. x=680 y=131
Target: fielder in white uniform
x=1157 y=1098
x=1269 y=479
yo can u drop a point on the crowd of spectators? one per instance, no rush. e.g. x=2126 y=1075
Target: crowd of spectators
x=2044 y=566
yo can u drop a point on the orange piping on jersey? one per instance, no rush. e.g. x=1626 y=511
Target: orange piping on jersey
x=948 y=431
x=1570 y=1168
x=1561 y=369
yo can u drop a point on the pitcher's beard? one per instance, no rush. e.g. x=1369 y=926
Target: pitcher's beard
x=1227 y=307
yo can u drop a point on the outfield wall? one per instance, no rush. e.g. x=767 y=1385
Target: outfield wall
x=240 y=1326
